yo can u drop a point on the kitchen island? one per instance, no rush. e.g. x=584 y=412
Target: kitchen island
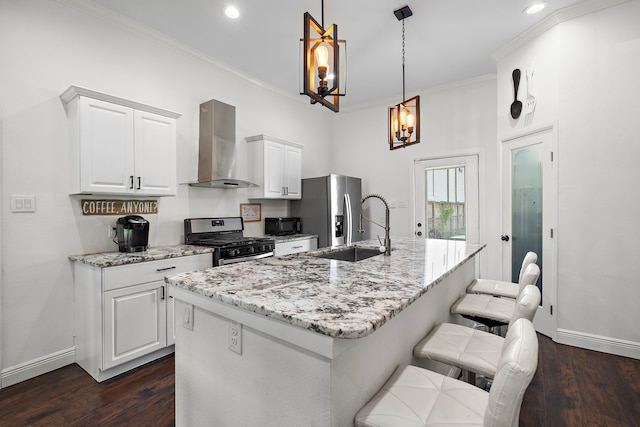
x=313 y=339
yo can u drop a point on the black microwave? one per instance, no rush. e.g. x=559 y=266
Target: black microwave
x=282 y=226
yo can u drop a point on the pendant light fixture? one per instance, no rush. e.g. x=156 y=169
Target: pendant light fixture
x=323 y=63
x=404 y=118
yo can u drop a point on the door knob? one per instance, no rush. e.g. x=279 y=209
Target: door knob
x=504 y=238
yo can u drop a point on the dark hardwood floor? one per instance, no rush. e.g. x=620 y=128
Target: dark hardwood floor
x=71 y=397
x=572 y=387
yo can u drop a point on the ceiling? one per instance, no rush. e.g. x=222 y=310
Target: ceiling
x=446 y=41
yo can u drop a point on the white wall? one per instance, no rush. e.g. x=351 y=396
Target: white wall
x=586 y=79
x=456 y=120
x=46 y=46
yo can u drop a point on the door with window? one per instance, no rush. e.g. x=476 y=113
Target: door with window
x=446 y=204
x=528 y=215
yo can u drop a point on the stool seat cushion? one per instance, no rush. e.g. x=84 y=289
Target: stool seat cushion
x=416 y=397
x=494 y=287
x=485 y=306
x=529 y=276
x=463 y=347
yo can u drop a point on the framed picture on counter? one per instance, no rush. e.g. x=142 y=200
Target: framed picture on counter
x=251 y=212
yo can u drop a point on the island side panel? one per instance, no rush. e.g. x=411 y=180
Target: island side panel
x=272 y=383
x=358 y=373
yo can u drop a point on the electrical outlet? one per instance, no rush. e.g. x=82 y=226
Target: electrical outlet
x=111 y=231
x=235 y=337
x=187 y=317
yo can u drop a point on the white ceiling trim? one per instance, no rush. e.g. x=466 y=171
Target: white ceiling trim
x=563 y=15
x=425 y=92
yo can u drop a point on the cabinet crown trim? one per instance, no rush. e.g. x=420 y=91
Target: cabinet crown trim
x=263 y=137
x=75 y=91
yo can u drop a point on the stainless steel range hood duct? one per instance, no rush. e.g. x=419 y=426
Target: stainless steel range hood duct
x=217 y=147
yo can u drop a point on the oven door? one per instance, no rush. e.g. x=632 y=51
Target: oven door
x=224 y=261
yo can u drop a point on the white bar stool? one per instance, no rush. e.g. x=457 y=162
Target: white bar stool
x=418 y=397
x=500 y=288
x=470 y=349
x=489 y=310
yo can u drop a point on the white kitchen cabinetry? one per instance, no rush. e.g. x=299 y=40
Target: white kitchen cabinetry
x=295 y=246
x=124 y=317
x=120 y=147
x=135 y=322
x=276 y=166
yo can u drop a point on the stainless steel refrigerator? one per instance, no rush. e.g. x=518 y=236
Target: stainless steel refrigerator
x=330 y=207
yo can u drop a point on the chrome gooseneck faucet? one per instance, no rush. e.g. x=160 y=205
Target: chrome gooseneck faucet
x=387 y=239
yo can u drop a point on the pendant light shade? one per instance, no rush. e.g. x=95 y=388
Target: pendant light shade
x=323 y=63
x=404 y=118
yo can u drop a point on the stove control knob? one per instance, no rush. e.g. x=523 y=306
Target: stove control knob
x=251 y=249
x=233 y=252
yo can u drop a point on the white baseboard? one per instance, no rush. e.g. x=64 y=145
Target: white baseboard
x=24 y=371
x=599 y=343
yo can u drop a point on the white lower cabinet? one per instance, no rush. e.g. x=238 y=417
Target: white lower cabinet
x=295 y=246
x=135 y=322
x=123 y=314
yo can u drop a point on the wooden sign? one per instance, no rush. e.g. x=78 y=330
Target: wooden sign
x=119 y=207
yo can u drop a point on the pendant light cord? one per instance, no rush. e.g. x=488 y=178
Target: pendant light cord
x=403 y=94
x=322 y=5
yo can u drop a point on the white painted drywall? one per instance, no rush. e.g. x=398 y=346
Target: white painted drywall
x=586 y=79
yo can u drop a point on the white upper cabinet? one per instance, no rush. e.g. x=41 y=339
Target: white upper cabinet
x=276 y=166
x=120 y=147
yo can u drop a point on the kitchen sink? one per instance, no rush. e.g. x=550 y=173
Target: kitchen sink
x=351 y=254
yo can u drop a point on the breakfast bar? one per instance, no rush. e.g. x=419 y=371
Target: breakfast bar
x=305 y=340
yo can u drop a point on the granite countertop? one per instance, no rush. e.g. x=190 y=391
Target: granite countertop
x=111 y=259
x=337 y=298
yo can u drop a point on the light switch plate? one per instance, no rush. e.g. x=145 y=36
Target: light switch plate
x=23 y=203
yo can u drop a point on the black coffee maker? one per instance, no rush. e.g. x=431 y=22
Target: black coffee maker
x=132 y=232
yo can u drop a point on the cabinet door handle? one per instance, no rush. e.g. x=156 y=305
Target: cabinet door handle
x=162 y=296
x=166 y=268
x=139 y=183
x=131 y=182
x=296 y=247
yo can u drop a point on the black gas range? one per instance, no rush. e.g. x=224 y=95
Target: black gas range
x=226 y=236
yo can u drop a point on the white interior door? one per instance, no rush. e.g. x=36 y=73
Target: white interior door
x=453 y=179
x=528 y=215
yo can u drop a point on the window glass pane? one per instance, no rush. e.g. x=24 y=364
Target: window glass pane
x=445 y=209
x=440 y=185
x=526 y=198
x=460 y=184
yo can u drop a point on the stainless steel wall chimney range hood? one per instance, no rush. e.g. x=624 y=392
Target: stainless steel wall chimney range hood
x=217 y=147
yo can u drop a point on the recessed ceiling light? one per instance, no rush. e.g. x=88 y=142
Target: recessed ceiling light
x=232 y=12
x=535 y=8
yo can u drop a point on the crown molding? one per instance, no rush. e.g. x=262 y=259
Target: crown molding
x=566 y=14
x=376 y=103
